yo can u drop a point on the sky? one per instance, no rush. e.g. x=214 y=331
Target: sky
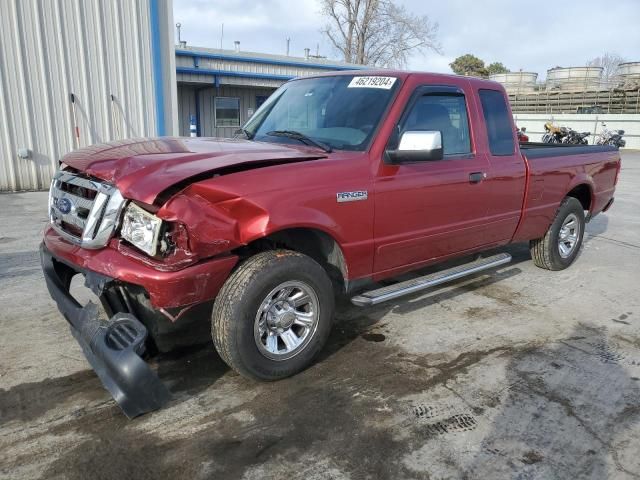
x=532 y=36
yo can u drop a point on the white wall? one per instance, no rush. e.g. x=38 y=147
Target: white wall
x=630 y=123
x=93 y=49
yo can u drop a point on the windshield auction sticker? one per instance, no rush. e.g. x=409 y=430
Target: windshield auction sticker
x=372 y=82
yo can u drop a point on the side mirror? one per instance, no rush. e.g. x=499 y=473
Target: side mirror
x=418 y=146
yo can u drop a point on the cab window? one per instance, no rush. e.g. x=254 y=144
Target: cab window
x=498 y=121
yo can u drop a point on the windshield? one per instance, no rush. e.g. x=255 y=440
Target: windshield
x=341 y=112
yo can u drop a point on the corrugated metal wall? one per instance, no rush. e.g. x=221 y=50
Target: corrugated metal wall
x=230 y=65
x=206 y=96
x=100 y=51
x=210 y=79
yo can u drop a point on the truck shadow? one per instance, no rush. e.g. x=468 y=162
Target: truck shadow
x=597 y=226
x=191 y=369
x=352 y=322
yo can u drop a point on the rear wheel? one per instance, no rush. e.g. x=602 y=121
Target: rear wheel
x=561 y=244
x=273 y=315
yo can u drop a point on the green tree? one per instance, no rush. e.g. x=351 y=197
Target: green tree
x=469 y=65
x=497 y=67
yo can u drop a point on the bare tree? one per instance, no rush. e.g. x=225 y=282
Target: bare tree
x=610 y=62
x=377 y=32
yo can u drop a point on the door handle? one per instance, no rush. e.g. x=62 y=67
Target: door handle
x=477 y=177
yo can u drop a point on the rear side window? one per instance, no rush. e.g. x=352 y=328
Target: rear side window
x=498 y=122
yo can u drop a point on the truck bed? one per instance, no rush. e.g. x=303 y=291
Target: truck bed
x=554 y=170
x=534 y=150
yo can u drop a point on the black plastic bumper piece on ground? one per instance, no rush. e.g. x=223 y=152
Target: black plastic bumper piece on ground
x=112 y=347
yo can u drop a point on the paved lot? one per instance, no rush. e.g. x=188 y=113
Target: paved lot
x=521 y=373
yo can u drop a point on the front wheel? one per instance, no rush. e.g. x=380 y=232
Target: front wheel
x=561 y=244
x=273 y=315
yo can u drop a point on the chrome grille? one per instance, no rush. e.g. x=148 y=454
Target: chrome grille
x=84 y=211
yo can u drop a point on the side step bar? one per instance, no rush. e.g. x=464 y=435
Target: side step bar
x=373 y=297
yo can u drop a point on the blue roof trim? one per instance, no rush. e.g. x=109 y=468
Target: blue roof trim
x=266 y=61
x=226 y=73
x=156 y=53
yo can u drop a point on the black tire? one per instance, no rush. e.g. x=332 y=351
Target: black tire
x=237 y=304
x=545 y=251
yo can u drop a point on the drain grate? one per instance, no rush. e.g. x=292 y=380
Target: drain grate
x=454 y=424
x=423 y=411
x=606 y=353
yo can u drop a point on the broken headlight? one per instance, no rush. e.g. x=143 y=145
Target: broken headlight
x=141 y=229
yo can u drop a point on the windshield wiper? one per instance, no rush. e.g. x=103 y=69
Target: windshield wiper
x=302 y=137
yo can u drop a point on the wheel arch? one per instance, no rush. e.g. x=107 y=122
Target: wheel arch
x=313 y=242
x=583 y=192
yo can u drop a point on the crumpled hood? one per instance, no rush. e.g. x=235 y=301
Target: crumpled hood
x=144 y=168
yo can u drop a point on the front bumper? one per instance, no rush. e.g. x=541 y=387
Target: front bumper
x=166 y=288
x=112 y=347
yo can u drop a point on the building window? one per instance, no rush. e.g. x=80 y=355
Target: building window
x=227 y=112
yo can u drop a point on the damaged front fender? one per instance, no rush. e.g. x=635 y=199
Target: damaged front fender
x=215 y=228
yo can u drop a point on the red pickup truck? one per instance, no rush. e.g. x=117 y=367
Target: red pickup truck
x=336 y=182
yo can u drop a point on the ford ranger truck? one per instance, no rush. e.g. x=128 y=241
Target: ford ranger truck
x=336 y=182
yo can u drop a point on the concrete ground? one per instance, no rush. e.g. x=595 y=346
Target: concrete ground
x=520 y=373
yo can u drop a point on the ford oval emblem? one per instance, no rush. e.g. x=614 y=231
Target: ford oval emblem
x=64 y=205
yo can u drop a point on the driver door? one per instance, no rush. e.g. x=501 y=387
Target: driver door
x=430 y=209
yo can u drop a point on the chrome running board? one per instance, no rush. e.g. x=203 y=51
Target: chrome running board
x=373 y=297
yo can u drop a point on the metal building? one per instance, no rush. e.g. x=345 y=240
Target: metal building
x=78 y=72
x=221 y=89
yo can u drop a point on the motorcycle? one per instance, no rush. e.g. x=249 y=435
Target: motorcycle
x=611 y=137
x=554 y=134
x=576 y=138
